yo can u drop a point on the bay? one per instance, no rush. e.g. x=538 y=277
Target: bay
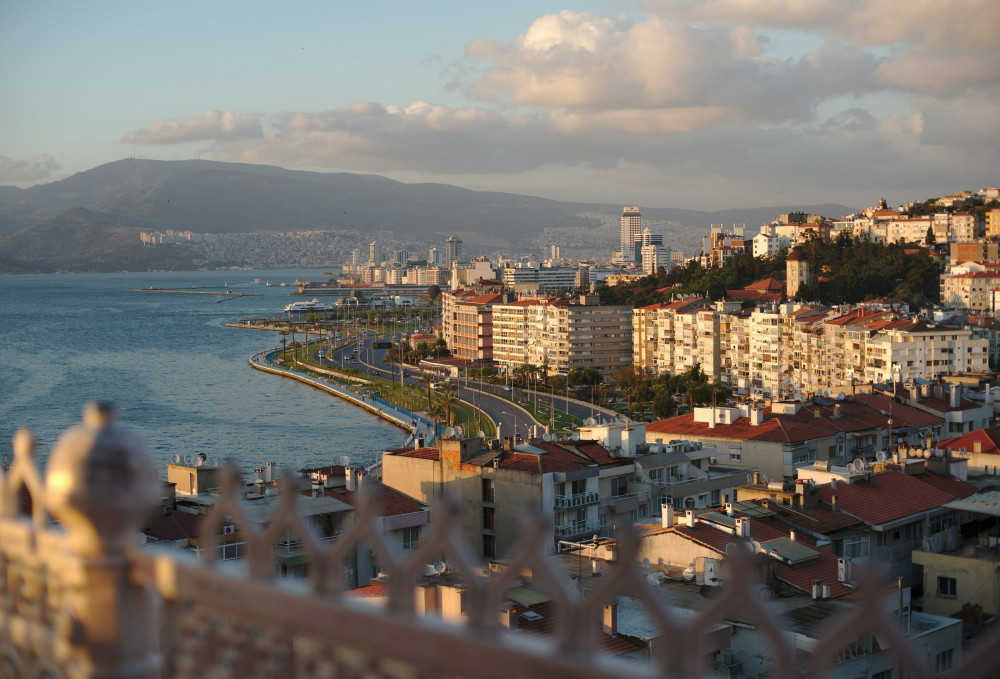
x=172 y=368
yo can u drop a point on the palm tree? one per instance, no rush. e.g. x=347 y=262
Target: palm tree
x=436 y=412
x=448 y=395
x=284 y=344
x=428 y=379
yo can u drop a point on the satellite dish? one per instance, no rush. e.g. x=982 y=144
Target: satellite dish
x=449 y=432
x=176 y=458
x=575 y=436
x=440 y=566
x=841 y=396
x=880 y=456
x=546 y=437
x=731 y=548
x=203 y=456
x=481 y=434
x=344 y=461
x=645 y=562
x=458 y=432
x=590 y=422
x=199 y=462
x=188 y=459
x=858 y=465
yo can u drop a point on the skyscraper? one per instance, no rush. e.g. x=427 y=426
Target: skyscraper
x=432 y=257
x=631 y=229
x=452 y=251
x=374 y=253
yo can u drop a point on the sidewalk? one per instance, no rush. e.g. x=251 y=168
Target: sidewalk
x=402 y=418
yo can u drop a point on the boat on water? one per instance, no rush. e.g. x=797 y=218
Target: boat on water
x=305 y=307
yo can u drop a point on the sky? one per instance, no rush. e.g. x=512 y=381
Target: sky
x=699 y=104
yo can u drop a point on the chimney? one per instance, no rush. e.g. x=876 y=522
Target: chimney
x=977 y=446
x=817 y=589
x=258 y=474
x=833 y=503
x=843 y=569
x=826 y=590
x=668 y=514
x=508 y=617
x=915 y=393
x=611 y=619
x=711 y=420
x=689 y=518
x=956 y=396
x=350 y=478
x=270 y=473
x=756 y=416
x=729 y=508
x=791 y=535
x=742 y=527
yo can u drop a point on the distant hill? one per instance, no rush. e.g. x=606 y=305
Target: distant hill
x=97 y=213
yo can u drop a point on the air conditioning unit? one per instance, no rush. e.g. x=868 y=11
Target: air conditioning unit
x=228 y=530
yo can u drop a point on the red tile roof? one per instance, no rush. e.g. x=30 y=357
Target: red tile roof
x=886 y=497
x=988 y=438
x=819 y=519
x=802 y=576
x=949 y=484
x=425 y=453
x=391 y=502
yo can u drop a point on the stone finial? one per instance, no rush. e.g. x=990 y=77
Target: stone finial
x=101 y=483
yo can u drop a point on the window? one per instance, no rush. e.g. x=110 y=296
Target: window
x=944 y=660
x=619 y=486
x=489 y=516
x=716 y=498
x=489 y=491
x=855 y=547
x=947 y=587
x=411 y=537
x=489 y=547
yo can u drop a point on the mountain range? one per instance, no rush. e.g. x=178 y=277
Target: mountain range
x=91 y=220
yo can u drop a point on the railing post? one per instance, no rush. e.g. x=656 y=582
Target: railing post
x=101 y=485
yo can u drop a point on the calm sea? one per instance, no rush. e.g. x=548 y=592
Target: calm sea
x=171 y=367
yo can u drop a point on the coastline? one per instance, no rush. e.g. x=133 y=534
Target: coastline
x=401 y=418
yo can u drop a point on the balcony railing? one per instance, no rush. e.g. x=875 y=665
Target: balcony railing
x=577 y=500
x=79 y=599
x=577 y=528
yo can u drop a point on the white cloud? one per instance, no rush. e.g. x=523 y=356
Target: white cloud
x=30 y=170
x=210 y=125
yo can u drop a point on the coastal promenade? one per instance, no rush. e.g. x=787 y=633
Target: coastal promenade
x=416 y=425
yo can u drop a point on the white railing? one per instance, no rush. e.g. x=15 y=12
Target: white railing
x=80 y=600
x=577 y=500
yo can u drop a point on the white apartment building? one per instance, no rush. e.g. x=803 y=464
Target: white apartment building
x=769 y=245
x=510 y=333
x=563 y=334
x=654 y=258
x=532 y=277
x=971 y=290
x=925 y=350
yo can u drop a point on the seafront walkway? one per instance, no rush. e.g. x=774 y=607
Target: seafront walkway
x=416 y=425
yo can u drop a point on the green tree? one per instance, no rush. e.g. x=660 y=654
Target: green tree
x=664 y=404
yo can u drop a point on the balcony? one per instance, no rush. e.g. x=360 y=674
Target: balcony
x=575 y=529
x=577 y=500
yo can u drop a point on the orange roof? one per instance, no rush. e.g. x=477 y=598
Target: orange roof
x=886 y=497
x=989 y=440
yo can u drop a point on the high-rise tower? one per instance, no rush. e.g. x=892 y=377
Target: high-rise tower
x=631 y=230
x=452 y=251
x=374 y=253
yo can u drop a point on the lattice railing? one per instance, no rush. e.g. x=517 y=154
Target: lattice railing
x=78 y=598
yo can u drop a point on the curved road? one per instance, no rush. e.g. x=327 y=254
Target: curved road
x=487 y=397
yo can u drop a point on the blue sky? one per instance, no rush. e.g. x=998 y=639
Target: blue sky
x=704 y=104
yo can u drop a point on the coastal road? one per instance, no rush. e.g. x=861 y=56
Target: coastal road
x=490 y=398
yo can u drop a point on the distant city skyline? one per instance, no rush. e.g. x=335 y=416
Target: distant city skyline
x=656 y=103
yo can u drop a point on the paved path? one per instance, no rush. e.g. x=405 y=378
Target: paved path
x=403 y=418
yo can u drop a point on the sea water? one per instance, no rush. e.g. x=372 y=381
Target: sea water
x=172 y=368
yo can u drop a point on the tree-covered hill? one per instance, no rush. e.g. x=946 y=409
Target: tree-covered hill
x=845 y=270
